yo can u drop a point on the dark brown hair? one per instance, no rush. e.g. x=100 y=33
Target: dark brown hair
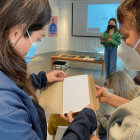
x=129 y=11
x=35 y=14
x=115 y=28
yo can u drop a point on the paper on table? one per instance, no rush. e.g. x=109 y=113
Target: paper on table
x=75 y=93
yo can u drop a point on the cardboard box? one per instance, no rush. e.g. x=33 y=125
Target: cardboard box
x=51 y=98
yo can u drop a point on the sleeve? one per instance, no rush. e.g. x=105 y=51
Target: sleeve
x=51 y=129
x=39 y=80
x=116 y=41
x=82 y=126
x=16 y=125
x=105 y=42
x=124 y=123
x=102 y=120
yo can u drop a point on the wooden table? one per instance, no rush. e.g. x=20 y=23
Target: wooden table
x=76 y=58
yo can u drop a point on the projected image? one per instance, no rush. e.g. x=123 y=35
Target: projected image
x=99 y=15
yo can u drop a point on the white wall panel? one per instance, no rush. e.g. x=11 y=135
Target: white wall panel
x=69 y=42
x=49 y=43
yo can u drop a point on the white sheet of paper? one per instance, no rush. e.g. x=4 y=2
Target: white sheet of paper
x=75 y=93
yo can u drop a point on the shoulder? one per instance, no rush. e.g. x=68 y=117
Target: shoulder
x=128 y=109
x=106 y=32
x=117 y=32
x=10 y=95
x=125 y=115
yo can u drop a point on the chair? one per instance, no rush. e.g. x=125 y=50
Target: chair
x=60 y=132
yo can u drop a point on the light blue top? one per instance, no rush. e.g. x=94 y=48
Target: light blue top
x=18 y=117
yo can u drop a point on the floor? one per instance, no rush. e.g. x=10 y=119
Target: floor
x=42 y=63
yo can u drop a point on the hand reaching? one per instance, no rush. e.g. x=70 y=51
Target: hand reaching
x=103 y=94
x=55 y=76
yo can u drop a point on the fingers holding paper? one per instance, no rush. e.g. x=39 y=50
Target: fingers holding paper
x=55 y=76
x=84 y=122
x=103 y=94
x=88 y=106
x=69 y=117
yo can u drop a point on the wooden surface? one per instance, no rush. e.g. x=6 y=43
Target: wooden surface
x=76 y=58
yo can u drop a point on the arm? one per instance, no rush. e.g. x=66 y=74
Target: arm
x=102 y=120
x=16 y=125
x=126 y=117
x=109 y=98
x=104 y=42
x=39 y=80
x=116 y=41
x=116 y=101
x=82 y=126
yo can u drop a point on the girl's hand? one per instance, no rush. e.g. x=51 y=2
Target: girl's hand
x=55 y=76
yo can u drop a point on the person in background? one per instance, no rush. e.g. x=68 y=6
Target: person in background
x=111 y=44
x=123 y=86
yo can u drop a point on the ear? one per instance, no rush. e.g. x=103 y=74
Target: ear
x=15 y=34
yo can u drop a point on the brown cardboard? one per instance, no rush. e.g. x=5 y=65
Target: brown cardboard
x=51 y=98
x=94 y=101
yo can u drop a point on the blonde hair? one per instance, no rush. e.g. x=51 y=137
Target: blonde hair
x=123 y=85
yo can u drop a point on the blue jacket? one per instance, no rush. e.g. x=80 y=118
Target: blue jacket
x=18 y=117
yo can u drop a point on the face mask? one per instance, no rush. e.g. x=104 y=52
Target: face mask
x=31 y=52
x=129 y=56
x=111 y=26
